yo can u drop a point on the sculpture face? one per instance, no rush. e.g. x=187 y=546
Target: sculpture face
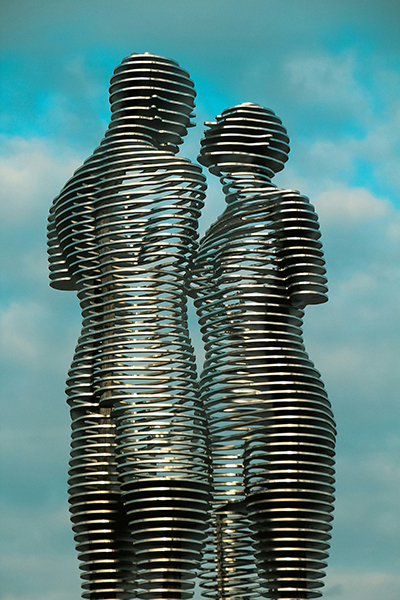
x=247 y=134
x=152 y=95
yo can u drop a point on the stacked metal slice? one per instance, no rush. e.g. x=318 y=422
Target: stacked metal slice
x=271 y=426
x=122 y=232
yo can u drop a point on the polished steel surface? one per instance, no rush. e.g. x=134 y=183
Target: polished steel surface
x=148 y=444
x=122 y=232
x=270 y=422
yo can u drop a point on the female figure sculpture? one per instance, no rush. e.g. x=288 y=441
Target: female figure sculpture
x=122 y=232
x=270 y=422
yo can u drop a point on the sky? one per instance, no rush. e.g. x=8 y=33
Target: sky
x=331 y=70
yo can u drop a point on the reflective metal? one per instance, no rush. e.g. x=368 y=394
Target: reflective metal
x=122 y=232
x=271 y=427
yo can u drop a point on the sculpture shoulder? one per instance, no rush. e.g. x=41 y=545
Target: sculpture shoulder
x=80 y=183
x=124 y=151
x=63 y=211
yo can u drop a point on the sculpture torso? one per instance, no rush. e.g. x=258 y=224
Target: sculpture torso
x=260 y=259
x=127 y=249
x=130 y=201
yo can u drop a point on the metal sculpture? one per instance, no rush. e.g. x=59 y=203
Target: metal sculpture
x=270 y=422
x=122 y=232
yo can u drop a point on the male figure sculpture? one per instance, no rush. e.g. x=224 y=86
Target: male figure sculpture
x=270 y=422
x=122 y=233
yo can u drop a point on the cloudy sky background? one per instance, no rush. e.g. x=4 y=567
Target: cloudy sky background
x=331 y=70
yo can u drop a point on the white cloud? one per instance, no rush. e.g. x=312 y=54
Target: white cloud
x=349 y=120
x=329 y=156
x=29 y=446
x=28 y=263
x=55 y=593
x=51 y=576
x=32 y=335
x=20 y=330
x=38 y=542
x=328 y=80
x=361 y=585
x=373 y=474
x=33 y=264
x=355 y=344
x=359 y=283
x=345 y=206
x=382 y=147
x=32 y=171
x=39 y=524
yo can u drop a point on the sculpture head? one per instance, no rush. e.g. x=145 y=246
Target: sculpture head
x=246 y=136
x=152 y=95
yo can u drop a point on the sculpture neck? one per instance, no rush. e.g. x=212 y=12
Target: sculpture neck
x=245 y=185
x=138 y=134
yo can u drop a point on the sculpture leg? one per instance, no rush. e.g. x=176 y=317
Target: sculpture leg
x=229 y=570
x=105 y=549
x=288 y=467
x=166 y=520
x=145 y=371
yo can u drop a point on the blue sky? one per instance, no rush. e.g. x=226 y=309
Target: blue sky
x=331 y=70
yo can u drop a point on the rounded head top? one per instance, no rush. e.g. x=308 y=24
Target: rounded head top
x=245 y=136
x=153 y=95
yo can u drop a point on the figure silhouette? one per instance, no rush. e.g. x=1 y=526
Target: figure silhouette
x=122 y=233
x=271 y=427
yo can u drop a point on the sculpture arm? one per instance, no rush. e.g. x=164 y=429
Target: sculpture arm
x=70 y=225
x=300 y=255
x=60 y=276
